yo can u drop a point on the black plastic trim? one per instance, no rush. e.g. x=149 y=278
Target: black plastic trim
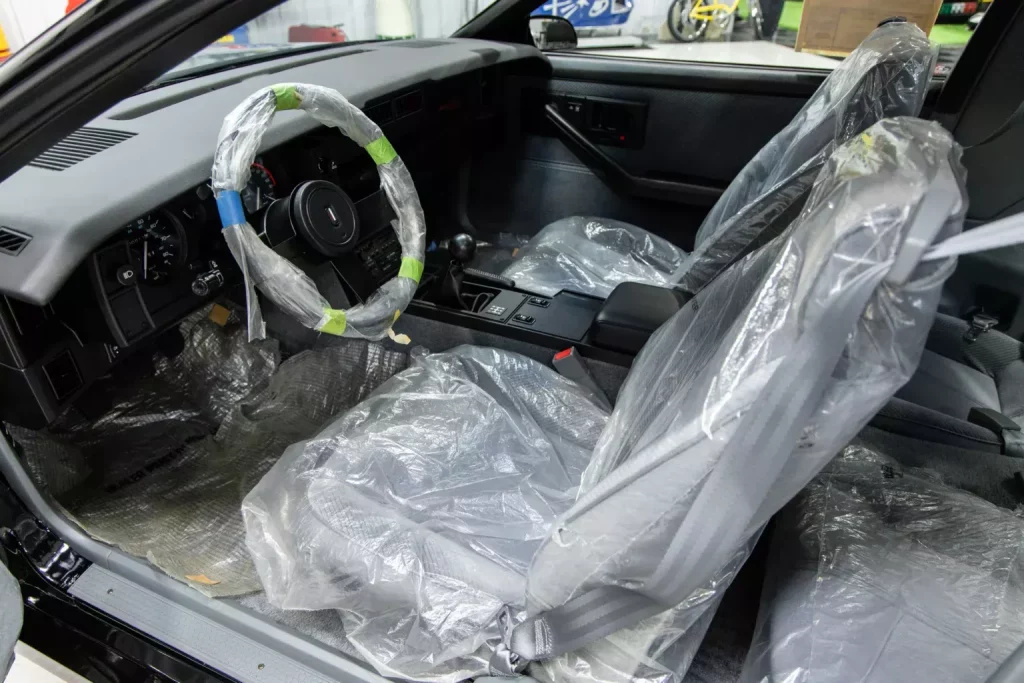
x=506 y=20
x=959 y=87
x=430 y=311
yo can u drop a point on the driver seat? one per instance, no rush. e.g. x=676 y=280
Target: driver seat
x=886 y=76
x=479 y=512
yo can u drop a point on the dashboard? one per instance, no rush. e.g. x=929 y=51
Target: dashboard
x=165 y=263
x=160 y=266
x=123 y=242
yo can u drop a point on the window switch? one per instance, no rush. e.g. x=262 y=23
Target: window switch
x=523 y=318
x=537 y=301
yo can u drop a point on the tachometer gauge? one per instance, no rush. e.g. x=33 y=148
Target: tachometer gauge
x=260 y=190
x=157 y=243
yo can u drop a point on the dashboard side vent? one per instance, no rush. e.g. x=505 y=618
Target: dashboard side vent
x=410 y=103
x=12 y=242
x=381 y=113
x=78 y=146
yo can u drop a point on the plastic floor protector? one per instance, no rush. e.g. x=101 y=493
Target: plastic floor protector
x=163 y=472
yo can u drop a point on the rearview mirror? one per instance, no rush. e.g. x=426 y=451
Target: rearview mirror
x=552 y=33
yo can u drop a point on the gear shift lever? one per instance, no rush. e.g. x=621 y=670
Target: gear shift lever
x=462 y=247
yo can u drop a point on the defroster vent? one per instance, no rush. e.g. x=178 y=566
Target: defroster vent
x=78 y=146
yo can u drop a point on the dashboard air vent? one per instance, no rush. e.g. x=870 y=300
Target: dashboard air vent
x=12 y=242
x=381 y=113
x=410 y=103
x=78 y=146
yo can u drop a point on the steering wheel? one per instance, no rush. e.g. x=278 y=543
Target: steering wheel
x=280 y=280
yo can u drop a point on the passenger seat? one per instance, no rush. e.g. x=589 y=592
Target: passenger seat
x=969 y=366
x=886 y=76
x=968 y=390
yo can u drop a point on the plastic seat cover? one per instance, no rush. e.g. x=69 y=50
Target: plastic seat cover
x=479 y=489
x=886 y=76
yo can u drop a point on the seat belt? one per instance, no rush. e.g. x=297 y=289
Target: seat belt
x=1004 y=232
x=796 y=188
x=789 y=400
x=602 y=611
x=571 y=365
x=979 y=324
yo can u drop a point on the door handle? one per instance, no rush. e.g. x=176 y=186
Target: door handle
x=621 y=181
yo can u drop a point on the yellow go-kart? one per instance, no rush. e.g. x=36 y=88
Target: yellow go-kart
x=691 y=20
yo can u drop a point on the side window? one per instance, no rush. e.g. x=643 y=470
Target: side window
x=811 y=34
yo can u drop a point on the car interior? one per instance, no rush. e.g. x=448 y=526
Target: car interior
x=439 y=360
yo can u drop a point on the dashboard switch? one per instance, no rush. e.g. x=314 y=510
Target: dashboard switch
x=537 y=301
x=126 y=276
x=522 y=318
x=208 y=282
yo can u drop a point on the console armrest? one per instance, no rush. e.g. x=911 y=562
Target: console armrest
x=632 y=313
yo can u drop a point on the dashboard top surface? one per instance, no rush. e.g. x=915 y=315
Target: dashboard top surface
x=68 y=213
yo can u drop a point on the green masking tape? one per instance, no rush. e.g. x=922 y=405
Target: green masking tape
x=411 y=268
x=381 y=151
x=287 y=97
x=335 y=322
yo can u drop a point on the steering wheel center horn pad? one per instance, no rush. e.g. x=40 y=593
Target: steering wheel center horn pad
x=322 y=213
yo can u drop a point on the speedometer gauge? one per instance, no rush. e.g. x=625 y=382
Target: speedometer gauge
x=157 y=243
x=260 y=190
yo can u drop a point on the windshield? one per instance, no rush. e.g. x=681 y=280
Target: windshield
x=304 y=24
x=292 y=25
x=756 y=32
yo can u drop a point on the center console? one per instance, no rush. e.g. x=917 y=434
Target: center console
x=457 y=294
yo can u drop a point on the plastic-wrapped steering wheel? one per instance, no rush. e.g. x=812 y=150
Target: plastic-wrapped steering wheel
x=280 y=280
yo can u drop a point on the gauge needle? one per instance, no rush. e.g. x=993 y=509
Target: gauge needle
x=145 y=258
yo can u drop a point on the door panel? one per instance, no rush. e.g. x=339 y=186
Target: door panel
x=701 y=124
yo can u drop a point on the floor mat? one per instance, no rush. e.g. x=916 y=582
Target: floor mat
x=162 y=474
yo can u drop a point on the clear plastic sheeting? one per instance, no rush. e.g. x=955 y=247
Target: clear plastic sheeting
x=416 y=513
x=739 y=399
x=153 y=410
x=659 y=649
x=881 y=574
x=755 y=225
x=592 y=256
x=162 y=474
x=886 y=76
x=280 y=280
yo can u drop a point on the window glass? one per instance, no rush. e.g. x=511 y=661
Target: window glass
x=758 y=32
x=295 y=23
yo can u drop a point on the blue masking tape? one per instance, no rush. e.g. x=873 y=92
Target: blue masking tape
x=229 y=206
